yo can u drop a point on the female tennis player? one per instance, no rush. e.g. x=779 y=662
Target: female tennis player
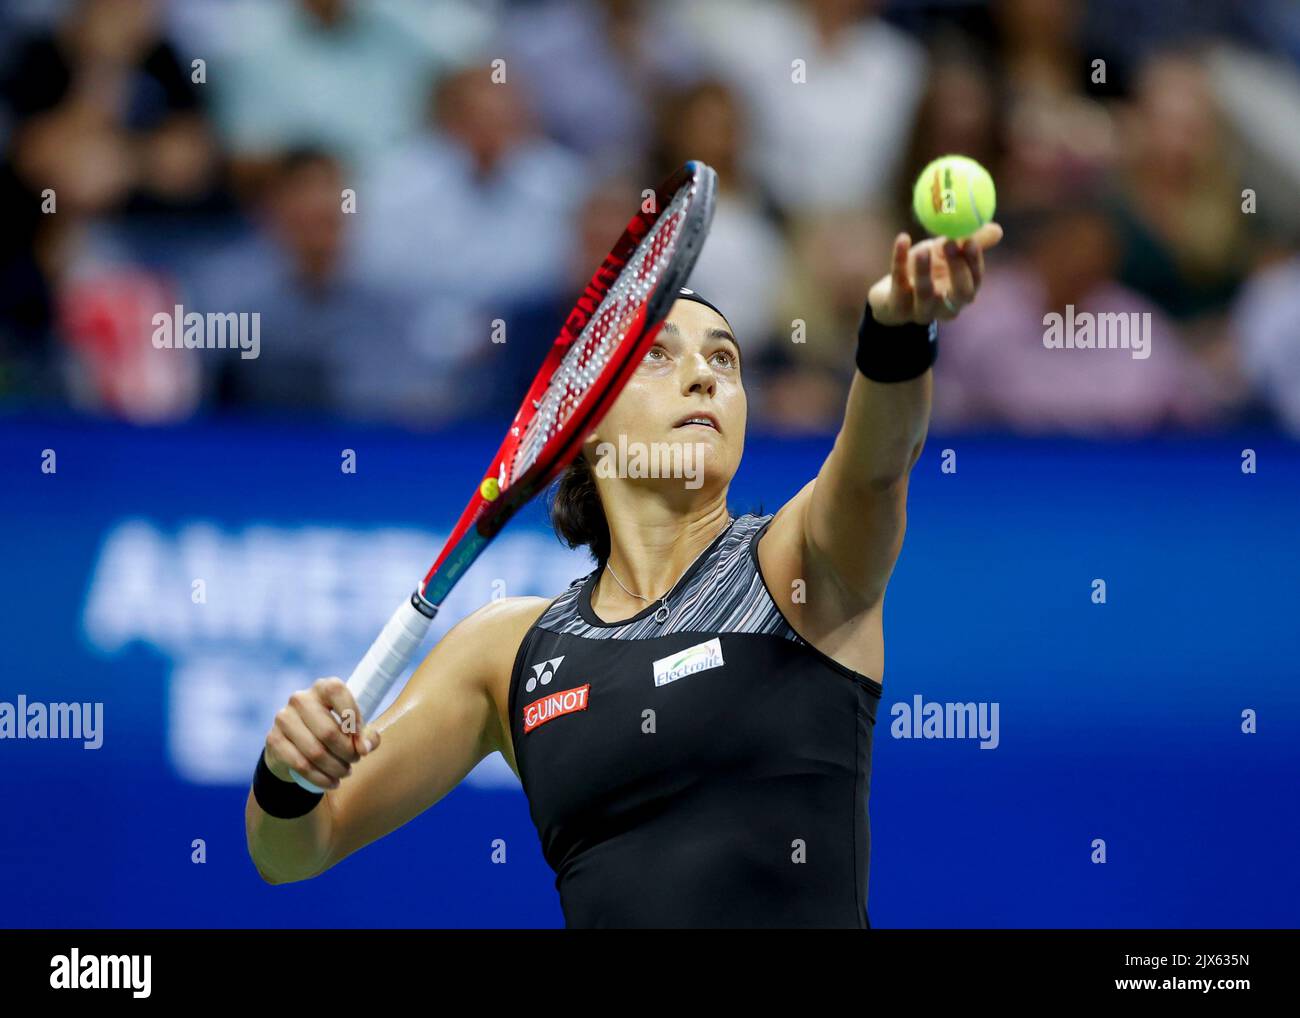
x=692 y=721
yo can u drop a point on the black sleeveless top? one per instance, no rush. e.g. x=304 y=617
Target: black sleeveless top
x=702 y=766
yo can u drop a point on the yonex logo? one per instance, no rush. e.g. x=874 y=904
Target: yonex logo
x=543 y=673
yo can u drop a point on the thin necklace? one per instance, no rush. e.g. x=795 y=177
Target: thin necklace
x=661 y=613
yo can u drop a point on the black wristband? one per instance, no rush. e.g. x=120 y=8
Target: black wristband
x=282 y=799
x=895 y=353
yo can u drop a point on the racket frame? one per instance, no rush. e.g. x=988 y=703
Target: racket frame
x=493 y=502
x=483 y=518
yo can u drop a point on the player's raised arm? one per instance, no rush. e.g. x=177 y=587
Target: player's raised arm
x=842 y=532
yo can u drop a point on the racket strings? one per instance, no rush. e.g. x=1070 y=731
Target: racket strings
x=603 y=334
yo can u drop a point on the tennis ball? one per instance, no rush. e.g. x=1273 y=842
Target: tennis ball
x=953 y=196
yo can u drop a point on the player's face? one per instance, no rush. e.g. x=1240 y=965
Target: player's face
x=686 y=392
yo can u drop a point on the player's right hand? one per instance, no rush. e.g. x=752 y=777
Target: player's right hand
x=309 y=739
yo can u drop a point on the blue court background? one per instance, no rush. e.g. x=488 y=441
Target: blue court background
x=1119 y=721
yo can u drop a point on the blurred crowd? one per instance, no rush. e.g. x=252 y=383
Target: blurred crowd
x=397 y=185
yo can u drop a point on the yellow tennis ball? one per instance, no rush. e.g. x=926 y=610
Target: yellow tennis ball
x=954 y=196
x=490 y=489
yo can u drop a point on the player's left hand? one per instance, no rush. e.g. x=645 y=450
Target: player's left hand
x=933 y=279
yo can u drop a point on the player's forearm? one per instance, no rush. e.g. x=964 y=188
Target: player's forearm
x=857 y=512
x=885 y=425
x=287 y=850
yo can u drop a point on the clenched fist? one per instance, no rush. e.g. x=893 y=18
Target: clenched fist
x=319 y=733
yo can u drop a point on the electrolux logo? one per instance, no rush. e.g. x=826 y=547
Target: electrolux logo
x=699 y=658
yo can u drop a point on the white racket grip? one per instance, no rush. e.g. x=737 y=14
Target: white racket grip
x=382 y=665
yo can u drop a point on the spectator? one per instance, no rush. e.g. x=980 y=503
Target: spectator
x=482 y=220
x=75 y=302
x=107 y=68
x=351 y=77
x=532 y=323
x=832 y=91
x=996 y=370
x=1183 y=235
x=594 y=69
x=328 y=342
x=744 y=258
x=469 y=218
x=1129 y=32
x=1265 y=317
x=1059 y=138
x=960 y=111
x=106 y=128
x=834 y=258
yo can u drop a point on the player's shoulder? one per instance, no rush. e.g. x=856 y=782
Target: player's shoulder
x=504 y=617
x=486 y=640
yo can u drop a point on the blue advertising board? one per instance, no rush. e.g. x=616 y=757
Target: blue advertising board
x=1121 y=616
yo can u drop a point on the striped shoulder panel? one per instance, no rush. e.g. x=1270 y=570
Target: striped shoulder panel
x=726 y=594
x=564 y=606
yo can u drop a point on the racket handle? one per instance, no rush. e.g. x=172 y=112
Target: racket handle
x=383 y=664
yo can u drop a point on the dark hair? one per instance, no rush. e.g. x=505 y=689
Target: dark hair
x=577 y=513
x=303 y=156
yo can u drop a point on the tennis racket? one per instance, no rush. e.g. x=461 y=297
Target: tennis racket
x=603 y=339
